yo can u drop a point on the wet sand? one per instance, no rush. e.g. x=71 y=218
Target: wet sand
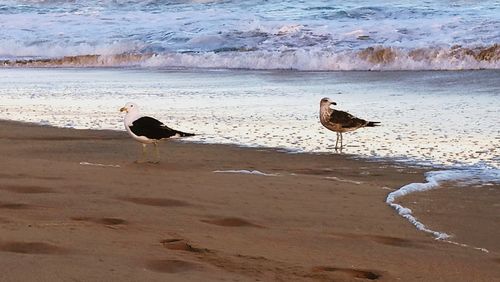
x=471 y=215
x=318 y=217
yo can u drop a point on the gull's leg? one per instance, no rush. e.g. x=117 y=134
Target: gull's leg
x=337 y=142
x=341 y=141
x=157 y=151
x=143 y=156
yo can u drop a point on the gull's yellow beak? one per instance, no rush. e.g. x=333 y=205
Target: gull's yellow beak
x=123 y=110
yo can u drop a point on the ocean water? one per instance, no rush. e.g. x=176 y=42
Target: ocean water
x=302 y=35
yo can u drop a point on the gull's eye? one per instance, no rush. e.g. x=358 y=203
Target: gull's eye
x=131 y=106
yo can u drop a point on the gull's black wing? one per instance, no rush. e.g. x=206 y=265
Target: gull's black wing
x=151 y=128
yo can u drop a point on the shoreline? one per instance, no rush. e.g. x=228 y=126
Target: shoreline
x=406 y=161
x=318 y=217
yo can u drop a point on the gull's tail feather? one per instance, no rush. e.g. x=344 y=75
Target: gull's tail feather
x=183 y=134
x=373 y=123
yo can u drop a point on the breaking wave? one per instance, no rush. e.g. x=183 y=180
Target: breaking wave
x=315 y=35
x=371 y=58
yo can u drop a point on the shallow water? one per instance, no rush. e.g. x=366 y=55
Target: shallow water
x=448 y=118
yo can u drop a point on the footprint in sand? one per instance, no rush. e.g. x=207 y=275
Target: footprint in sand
x=110 y=221
x=104 y=220
x=13 y=206
x=386 y=240
x=319 y=171
x=354 y=273
x=231 y=222
x=31 y=248
x=27 y=189
x=172 y=266
x=4 y=220
x=392 y=241
x=24 y=176
x=156 y=202
x=180 y=245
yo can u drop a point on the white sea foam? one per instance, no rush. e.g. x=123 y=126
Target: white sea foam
x=344 y=180
x=434 y=179
x=98 y=164
x=319 y=60
x=13 y=49
x=244 y=171
x=467 y=246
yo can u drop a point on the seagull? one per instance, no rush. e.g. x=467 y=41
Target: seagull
x=340 y=121
x=147 y=130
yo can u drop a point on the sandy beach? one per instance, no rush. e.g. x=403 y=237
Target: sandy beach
x=75 y=207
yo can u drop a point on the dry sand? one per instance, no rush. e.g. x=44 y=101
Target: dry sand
x=321 y=217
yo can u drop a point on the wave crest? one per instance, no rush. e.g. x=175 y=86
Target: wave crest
x=371 y=58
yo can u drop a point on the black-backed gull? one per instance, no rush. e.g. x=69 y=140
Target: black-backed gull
x=147 y=130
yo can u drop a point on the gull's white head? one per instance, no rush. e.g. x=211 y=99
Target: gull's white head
x=130 y=108
x=326 y=102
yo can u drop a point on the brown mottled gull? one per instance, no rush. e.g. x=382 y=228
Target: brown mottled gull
x=340 y=121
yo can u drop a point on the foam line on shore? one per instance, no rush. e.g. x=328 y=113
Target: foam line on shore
x=101 y=165
x=344 y=180
x=244 y=171
x=467 y=246
x=434 y=178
